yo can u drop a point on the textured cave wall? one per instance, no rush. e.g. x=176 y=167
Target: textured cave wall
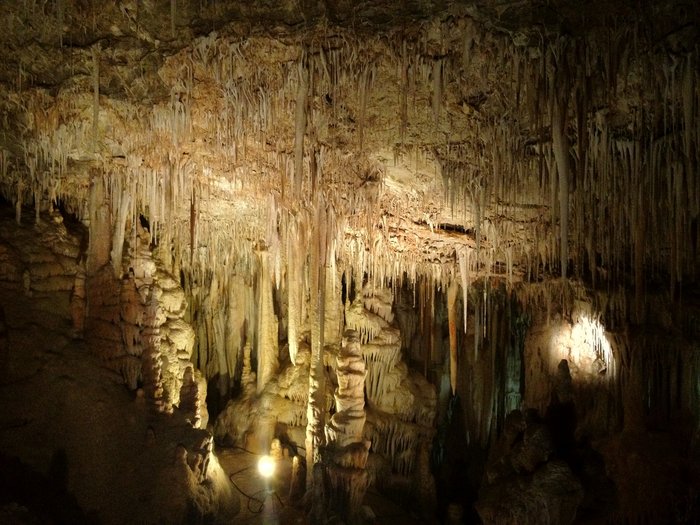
x=77 y=446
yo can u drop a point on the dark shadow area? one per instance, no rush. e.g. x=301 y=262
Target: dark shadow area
x=45 y=498
x=457 y=467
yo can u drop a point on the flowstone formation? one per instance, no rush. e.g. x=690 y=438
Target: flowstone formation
x=39 y=257
x=135 y=323
x=341 y=476
x=253 y=420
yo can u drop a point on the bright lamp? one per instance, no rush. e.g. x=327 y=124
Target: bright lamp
x=266 y=466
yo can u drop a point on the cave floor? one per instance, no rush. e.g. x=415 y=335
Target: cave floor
x=268 y=503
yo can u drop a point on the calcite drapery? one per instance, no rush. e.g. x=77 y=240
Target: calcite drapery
x=341 y=478
x=347 y=424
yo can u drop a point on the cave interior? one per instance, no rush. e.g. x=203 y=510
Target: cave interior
x=429 y=261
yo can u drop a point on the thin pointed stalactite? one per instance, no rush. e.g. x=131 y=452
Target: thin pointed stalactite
x=436 y=102
x=294 y=288
x=173 y=14
x=364 y=81
x=300 y=126
x=194 y=212
x=403 y=95
x=561 y=153
x=119 y=232
x=95 y=97
x=452 y=322
x=464 y=281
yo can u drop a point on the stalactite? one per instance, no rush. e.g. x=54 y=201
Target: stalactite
x=194 y=213
x=478 y=320
x=59 y=21
x=363 y=92
x=119 y=232
x=300 y=126
x=403 y=94
x=452 y=321
x=18 y=201
x=294 y=288
x=100 y=226
x=173 y=13
x=436 y=89
x=267 y=325
x=561 y=154
x=95 y=96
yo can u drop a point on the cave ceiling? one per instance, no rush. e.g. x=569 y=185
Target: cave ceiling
x=437 y=137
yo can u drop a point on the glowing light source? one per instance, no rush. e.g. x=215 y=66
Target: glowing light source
x=587 y=349
x=266 y=466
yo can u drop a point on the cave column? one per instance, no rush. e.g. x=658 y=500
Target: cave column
x=344 y=457
x=315 y=412
x=100 y=227
x=151 y=366
x=316 y=406
x=267 y=325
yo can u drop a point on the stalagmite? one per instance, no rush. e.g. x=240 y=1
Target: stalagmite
x=152 y=363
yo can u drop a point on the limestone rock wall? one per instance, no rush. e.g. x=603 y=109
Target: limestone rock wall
x=136 y=324
x=39 y=256
x=72 y=436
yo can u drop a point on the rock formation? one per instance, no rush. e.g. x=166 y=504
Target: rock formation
x=526 y=484
x=342 y=469
x=118 y=460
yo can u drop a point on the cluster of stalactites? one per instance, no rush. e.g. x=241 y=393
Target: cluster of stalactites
x=608 y=144
x=607 y=129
